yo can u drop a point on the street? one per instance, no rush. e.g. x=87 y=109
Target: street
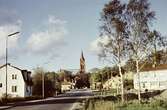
x=65 y=101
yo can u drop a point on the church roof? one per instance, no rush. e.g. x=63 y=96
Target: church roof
x=82 y=56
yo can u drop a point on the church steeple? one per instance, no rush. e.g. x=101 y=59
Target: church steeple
x=82 y=63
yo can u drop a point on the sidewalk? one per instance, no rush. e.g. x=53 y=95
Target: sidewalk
x=5 y=107
x=10 y=105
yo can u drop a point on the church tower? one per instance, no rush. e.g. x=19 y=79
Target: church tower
x=82 y=63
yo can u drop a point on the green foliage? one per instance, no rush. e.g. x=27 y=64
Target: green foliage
x=131 y=105
x=96 y=77
x=104 y=74
x=128 y=84
x=65 y=75
x=82 y=80
x=50 y=82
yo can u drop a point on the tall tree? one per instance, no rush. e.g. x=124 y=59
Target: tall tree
x=113 y=29
x=157 y=41
x=49 y=86
x=139 y=17
x=65 y=75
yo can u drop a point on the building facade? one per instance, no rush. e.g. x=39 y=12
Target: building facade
x=19 y=82
x=152 y=78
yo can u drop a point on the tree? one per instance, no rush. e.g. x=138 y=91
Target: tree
x=95 y=77
x=65 y=75
x=82 y=80
x=156 y=41
x=106 y=73
x=54 y=78
x=130 y=65
x=114 y=30
x=49 y=87
x=161 y=57
x=139 y=17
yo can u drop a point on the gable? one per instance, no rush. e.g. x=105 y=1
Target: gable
x=26 y=75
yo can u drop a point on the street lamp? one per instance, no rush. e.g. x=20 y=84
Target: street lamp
x=10 y=35
x=43 y=80
x=43 y=85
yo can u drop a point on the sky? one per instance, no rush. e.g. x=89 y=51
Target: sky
x=54 y=32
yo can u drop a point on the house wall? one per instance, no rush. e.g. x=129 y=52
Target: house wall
x=151 y=80
x=19 y=82
x=65 y=87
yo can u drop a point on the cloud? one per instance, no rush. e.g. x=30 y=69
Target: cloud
x=53 y=20
x=8 y=17
x=9 y=23
x=48 y=41
x=95 y=45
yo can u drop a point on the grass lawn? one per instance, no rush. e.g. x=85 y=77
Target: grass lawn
x=131 y=105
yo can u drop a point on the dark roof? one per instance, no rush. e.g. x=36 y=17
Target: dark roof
x=26 y=74
x=158 y=67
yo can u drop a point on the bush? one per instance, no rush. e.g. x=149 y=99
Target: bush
x=148 y=95
x=110 y=98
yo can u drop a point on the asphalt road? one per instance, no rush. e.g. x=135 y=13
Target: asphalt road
x=65 y=101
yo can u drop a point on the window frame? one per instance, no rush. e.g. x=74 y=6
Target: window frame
x=0 y=85
x=14 y=88
x=14 y=76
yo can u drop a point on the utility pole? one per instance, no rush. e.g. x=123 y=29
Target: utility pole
x=43 y=84
x=6 y=68
x=7 y=61
x=43 y=81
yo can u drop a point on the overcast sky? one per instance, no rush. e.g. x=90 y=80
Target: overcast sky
x=53 y=32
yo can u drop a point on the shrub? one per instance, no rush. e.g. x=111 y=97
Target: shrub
x=148 y=95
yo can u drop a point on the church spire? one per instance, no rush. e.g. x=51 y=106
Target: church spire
x=82 y=63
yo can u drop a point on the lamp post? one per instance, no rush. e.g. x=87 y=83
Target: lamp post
x=43 y=84
x=7 y=59
x=43 y=81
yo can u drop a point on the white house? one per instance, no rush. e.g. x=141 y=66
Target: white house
x=19 y=82
x=152 y=78
x=66 y=86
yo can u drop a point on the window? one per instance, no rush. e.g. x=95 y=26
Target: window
x=14 y=76
x=144 y=85
x=0 y=84
x=154 y=84
x=14 y=88
x=162 y=83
